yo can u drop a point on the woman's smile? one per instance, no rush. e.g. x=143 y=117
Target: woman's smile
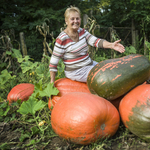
x=73 y=21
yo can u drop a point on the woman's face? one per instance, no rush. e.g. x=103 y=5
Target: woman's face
x=73 y=21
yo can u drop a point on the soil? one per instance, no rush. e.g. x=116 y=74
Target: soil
x=118 y=142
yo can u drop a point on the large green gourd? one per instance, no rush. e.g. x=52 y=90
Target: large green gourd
x=113 y=78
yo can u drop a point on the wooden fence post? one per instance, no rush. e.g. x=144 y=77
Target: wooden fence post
x=85 y=18
x=23 y=45
x=145 y=47
x=133 y=34
x=111 y=40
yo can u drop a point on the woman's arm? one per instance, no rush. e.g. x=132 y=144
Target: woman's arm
x=57 y=54
x=52 y=75
x=102 y=43
x=115 y=45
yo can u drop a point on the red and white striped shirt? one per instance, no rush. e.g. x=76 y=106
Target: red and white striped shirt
x=74 y=54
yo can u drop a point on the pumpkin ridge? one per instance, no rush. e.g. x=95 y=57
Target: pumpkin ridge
x=22 y=93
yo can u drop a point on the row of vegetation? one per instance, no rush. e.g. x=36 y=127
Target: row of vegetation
x=33 y=124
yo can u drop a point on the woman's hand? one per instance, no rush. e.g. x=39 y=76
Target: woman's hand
x=118 y=47
x=115 y=45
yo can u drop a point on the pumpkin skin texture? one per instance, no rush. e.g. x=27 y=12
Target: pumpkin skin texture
x=113 y=78
x=65 y=85
x=83 y=118
x=21 y=91
x=134 y=110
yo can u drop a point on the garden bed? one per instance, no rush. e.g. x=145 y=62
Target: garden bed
x=22 y=135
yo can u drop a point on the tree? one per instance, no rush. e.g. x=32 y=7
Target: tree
x=121 y=14
x=25 y=15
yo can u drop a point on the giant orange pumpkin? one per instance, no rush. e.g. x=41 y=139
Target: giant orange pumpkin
x=83 y=118
x=134 y=109
x=65 y=85
x=21 y=91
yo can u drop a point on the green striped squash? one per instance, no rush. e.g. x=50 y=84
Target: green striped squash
x=113 y=78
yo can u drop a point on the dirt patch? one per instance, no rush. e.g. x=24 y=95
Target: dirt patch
x=10 y=134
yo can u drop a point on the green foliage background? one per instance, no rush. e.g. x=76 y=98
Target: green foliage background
x=25 y=15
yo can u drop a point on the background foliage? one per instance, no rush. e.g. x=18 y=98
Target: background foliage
x=25 y=15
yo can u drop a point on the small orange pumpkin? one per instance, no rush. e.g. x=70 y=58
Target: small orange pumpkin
x=83 y=118
x=21 y=91
x=65 y=85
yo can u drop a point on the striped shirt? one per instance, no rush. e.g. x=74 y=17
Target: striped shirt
x=74 y=54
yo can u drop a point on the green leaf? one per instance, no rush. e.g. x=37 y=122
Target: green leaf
x=26 y=66
x=1 y=112
x=40 y=70
x=7 y=109
x=130 y=50
x=31 y=106
x=17 y=53
x=34 y=130
x=31 y=142
x=147 y=44
x=23 y=137
x=37 y=88
x=5 y=146
x=4 y=105
x=4 y=109
x=8 y=52
x=5 y=77
x=49 y=90
x=26 y=58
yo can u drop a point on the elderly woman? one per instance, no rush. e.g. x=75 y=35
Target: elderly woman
x=72 y=46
